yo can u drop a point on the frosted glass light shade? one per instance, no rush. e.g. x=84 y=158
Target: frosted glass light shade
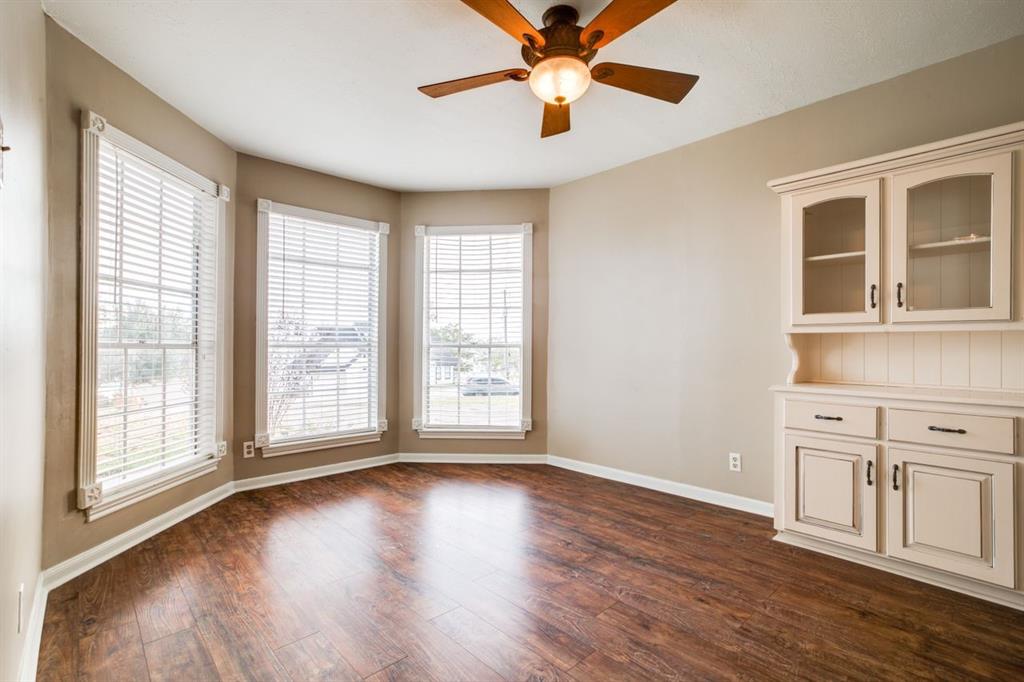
x=560 y=80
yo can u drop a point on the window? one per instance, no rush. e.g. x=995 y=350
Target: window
x=321 y=302
x=149 y=321
x=473 y=331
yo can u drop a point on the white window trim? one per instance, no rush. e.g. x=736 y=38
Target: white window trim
x=92 y=497
x=264 y=207
x=420 y=327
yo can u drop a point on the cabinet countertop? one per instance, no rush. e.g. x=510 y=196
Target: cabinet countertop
x=936 y=394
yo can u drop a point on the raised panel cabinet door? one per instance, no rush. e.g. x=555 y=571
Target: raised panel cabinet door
x=951 y=231
x=831 y=490
x=952 y=513
x=835 y=254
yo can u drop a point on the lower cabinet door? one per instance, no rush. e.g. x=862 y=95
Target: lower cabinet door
x=952 y=513
x=831 y=490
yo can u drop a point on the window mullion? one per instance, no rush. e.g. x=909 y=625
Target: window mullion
x=490 y=332
x=337 y=325
x=160 y=324
x=119 y=230
x=458 y=350
x=305 y=351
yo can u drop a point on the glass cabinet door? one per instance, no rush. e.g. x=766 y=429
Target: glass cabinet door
x=951 y=242
x=835 y=233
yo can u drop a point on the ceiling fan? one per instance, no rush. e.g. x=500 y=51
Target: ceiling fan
x=559 y=55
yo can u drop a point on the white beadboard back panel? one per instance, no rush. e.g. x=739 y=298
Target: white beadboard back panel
x=981 y=359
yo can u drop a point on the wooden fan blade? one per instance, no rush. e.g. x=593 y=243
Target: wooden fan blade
x=556 y=119
x=506 y=17
x=460 y=84
x=617 y=18
x=667 y=85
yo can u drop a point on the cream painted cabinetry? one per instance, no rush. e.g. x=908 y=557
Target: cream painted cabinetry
x=831 y=490
x=952 y=512
x=898 y=430
x=939 y=505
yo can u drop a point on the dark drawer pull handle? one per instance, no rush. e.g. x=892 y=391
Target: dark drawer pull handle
x=828 y=418
x=943 y=429
x=895 y=476
x=874 y=288
x=870 y=482
x=899 y=294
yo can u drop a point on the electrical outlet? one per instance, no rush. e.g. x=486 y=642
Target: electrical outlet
x=735 y=461
x=248 y=450
x=21 y=596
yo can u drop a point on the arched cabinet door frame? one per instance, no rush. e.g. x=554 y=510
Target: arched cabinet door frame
x=827 y=284
x=949 y=266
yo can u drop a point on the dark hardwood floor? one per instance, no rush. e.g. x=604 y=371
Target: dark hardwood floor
x=475 y=572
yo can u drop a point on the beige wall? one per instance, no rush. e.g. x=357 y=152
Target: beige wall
x=665 y=312
x=263 y=179
x=78 y=78
x=22 y=319
x=475 y=208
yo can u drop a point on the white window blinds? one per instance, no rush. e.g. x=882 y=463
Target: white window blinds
x=322 y=325
x=473 y=336
x=155 y=402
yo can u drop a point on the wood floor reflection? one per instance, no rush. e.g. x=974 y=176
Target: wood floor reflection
x=479 y=572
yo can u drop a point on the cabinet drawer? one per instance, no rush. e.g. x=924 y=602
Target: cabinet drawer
x=848 y=420
x=969 y=431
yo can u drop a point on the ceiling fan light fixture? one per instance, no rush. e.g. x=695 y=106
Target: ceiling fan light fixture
x=560 y=80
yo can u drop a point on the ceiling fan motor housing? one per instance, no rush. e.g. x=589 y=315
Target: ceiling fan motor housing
x=561 y=37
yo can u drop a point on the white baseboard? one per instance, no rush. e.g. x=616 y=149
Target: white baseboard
x=33 y=632
x=55 y=576
x=59 y=574
x=692 y=492
x=80 y=563
x=313 y=472
x=442 y=458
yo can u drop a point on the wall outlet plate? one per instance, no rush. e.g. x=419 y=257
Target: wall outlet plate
x=735 y=461
x=248 y=450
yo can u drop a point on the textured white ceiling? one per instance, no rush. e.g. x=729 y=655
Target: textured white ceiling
x=331 y=86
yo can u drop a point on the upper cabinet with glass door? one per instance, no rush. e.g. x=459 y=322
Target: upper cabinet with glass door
x=835 y=257
x=951 y=231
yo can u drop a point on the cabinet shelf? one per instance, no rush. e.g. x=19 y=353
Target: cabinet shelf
x=951 y=246
x=844 y=257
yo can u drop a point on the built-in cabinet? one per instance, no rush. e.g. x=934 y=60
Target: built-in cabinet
x=881 y=471
x=942 y=252
x=898 y=432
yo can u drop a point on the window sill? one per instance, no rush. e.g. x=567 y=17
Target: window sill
x=122 y=496
x=472 y=433
x=313 y=444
